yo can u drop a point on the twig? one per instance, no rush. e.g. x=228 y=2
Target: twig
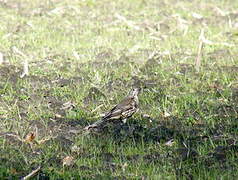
x=16 y=136
x=200 y=47
x=14 y=48
x=1 y=58
x=25 y=62
x=130 y=24
x=33 y=173
x=97 y=108
x=25 y=69
x=198 y=59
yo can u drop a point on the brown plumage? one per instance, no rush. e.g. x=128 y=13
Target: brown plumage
x=125 y=109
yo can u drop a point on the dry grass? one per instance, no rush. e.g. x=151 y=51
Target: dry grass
x=64 y=63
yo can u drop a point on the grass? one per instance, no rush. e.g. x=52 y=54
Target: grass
x=84 y=56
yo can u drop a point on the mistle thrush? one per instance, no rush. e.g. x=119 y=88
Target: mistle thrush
x=122 y=111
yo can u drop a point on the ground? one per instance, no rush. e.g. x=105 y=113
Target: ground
x=84 y=56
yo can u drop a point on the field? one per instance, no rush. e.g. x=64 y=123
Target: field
x=65 y=63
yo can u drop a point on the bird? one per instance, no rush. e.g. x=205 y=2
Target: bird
x=121 y=112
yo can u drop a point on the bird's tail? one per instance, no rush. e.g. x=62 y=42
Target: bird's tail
x=95 y=125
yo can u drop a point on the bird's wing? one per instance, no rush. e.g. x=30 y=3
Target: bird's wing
x=120 y=110
x=115 y=113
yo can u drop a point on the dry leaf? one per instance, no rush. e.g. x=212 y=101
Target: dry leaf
x=68 y=105
x=124 y=166
x=147 y=116
x=68 y=161
x=75 y=148
x=58 y=115
x=166 y=114
x=30 y=137
x=13 y=171
x=170 y=142
x=197 y=16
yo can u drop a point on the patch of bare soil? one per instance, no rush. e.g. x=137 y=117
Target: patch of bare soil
x=34 y=95
x=10 y=73
x=188 y=139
